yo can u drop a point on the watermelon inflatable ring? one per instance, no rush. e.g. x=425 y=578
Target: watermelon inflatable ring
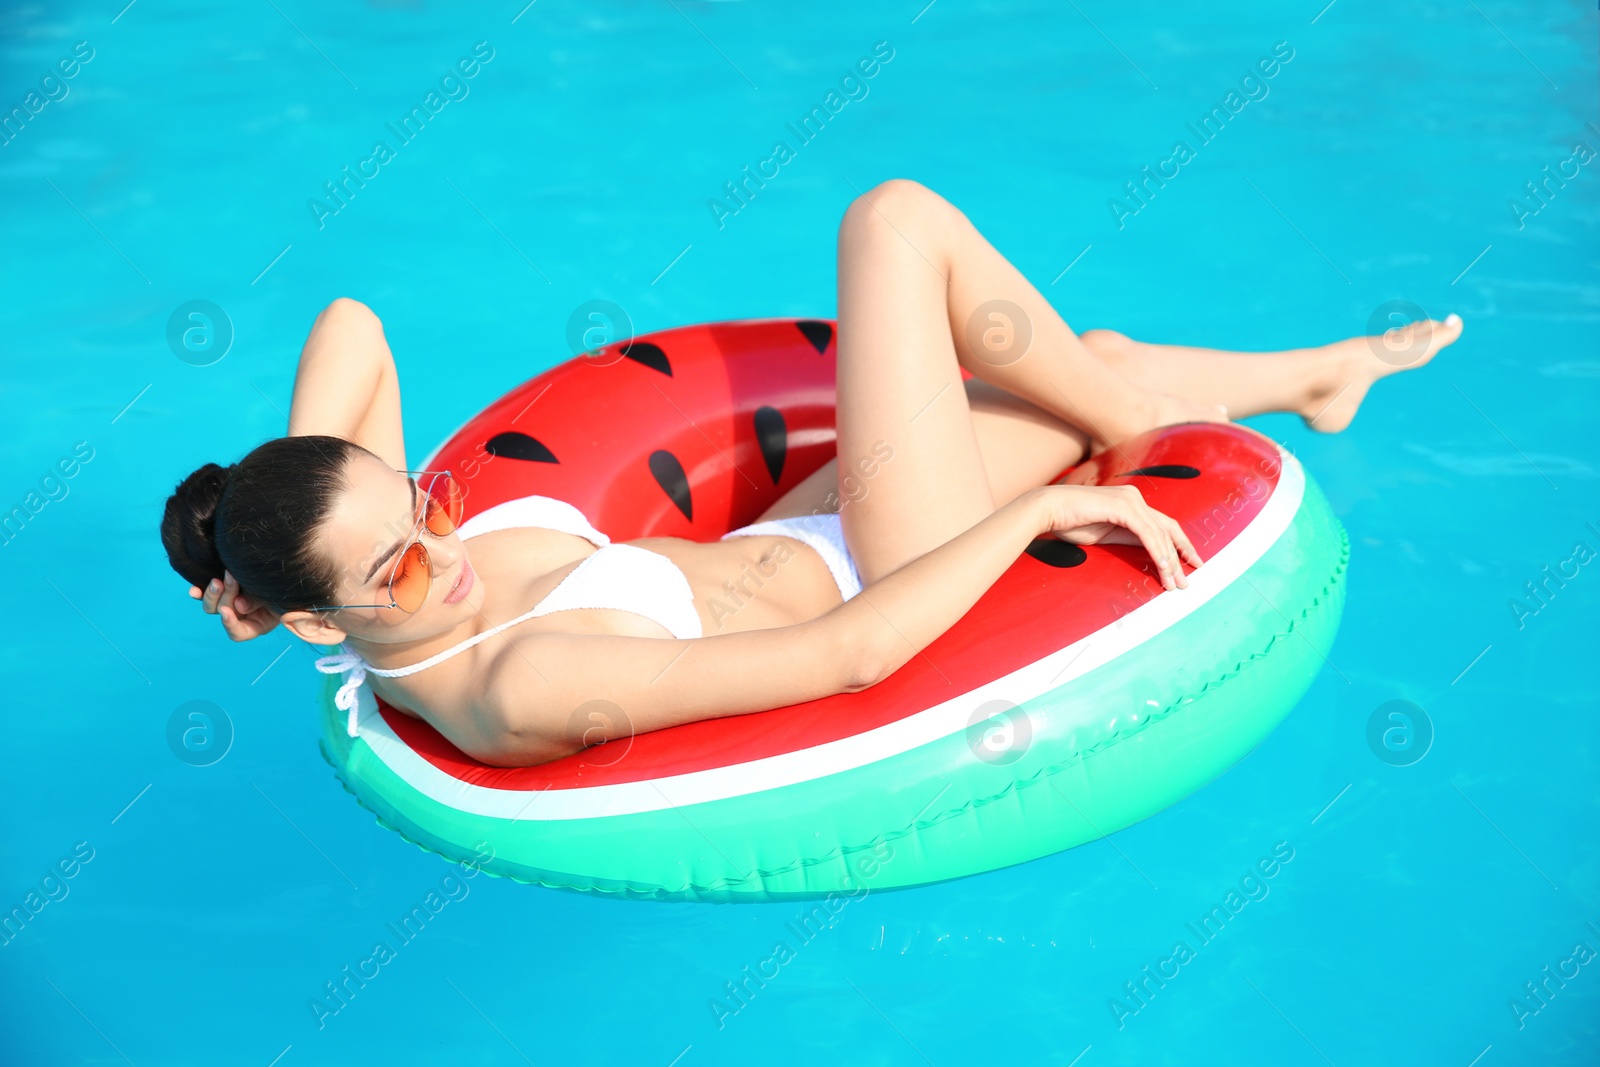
x=1075 y=698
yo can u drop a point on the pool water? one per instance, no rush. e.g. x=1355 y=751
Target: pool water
x=1424 y=882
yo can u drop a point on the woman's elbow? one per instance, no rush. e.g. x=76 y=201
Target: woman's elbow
x=864 y=667
x=512 y=752
x=505 y=743
x=856 y=683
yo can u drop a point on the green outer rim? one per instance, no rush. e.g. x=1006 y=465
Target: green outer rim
x=1233 y=669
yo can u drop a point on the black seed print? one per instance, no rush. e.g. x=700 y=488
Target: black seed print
x=668 y=473
x=1166 y=470
x=1056 y=552
x=649 y=355
x=513 y=445
x=818 y=333
x=773 y=437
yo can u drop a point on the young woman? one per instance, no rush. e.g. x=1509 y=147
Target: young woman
x=500 y=631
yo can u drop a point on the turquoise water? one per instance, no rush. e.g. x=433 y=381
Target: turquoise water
x=1377 y=164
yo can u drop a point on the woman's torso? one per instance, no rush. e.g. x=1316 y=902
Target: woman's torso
x=744 y=583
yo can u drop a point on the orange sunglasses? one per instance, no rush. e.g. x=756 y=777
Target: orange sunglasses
x=411 y=577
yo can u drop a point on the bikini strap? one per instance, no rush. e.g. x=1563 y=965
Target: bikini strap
x=453 y=650
x=356 y=669
x=346 y=699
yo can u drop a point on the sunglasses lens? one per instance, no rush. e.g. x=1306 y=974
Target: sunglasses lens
x=446 y=504
x=412 y=577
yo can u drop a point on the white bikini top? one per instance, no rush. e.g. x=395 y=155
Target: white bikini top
x=622 y=577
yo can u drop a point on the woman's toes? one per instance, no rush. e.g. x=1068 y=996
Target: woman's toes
x=1403 y=346
x=1449 y=330
x=1413 y=345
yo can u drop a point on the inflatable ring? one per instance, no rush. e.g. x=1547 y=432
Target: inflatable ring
x=1075 y=698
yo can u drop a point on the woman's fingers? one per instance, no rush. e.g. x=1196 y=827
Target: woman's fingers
x=1164 y=549
x=231 y=622
x=1157 y=544
x=230 y=589
x=1174 y=565
x=1187 y=546
x=234 y=597
x=1169 y=545
x=222 y=597
x=1177 y=543
x=1161 y=535
x=1181 y=540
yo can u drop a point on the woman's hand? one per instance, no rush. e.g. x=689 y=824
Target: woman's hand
x=1117 y=514
x=242 y=617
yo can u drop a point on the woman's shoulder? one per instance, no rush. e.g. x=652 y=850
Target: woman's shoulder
x=451 y=698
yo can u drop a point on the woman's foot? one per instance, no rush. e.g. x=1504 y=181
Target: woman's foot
x=1347 y=369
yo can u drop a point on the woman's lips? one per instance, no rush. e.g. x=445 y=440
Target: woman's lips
x=463 y=584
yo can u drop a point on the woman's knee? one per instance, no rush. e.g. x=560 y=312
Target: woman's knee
x=900 y=203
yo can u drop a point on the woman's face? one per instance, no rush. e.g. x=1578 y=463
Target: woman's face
x=369 y=527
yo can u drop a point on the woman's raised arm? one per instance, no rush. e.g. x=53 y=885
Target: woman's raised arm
x=347 y=385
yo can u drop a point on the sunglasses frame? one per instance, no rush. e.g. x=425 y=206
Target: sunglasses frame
x=414 y=541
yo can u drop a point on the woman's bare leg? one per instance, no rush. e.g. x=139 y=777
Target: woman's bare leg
x=1021 y=446
x=1324 y=385
x=922 y=293
x=913 y=273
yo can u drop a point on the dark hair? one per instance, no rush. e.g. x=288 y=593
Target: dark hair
x=258 y=517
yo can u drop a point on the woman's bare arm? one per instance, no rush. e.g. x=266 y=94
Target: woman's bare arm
x=347 y=386
x=551 y=694
x=534 y=703
x=901 y=614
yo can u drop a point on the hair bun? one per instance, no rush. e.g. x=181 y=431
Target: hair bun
x=189 y=524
